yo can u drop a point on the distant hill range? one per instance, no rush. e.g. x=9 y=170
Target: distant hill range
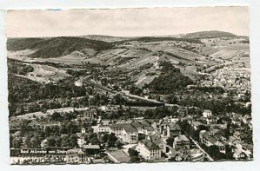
x=61 y=46
x=55 y=47
x=208 y=34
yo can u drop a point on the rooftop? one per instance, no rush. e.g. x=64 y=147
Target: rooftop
x=150 y=145
x=91 y=146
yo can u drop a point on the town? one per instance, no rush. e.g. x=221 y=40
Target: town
x=145 y=99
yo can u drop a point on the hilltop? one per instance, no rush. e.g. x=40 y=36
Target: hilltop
x=208 y=34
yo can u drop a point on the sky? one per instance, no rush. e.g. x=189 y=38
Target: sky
x=126 y=22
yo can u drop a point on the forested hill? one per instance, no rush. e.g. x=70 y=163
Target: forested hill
x=55 y=47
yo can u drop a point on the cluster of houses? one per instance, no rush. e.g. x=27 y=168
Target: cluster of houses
x=224 y=133
x=230 y=78
x=150 y=137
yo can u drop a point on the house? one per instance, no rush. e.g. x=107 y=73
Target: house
x=91 y=149
x=170 y=129
x=207 y=113
x=208 y=139
x=129 y=134
x=103 y=129
x=81 y=141
x=196 y=155
x=240 y=153
x=234 y=140
x=181 y=141
x=175 y=129
x=194 y=124
x=90 y=114
x=138 y=126
x=117 y=129
x=179 y=155
x=126 y=132
x=118 y=156
x=148 y=150
x=75 y=156
x=158 y=141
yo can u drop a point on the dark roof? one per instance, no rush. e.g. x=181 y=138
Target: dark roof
x=129 y=129
x=148 y=128
x=150 y=145
x=117 y=126
x=136 y=125
x=156 y=139
x=144 y=123
x=208 y=136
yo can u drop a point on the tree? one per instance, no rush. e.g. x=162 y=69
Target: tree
x=51 y=142
x=27 y=142
x=229 y=153
x=118 y=144
x=215 y=153
x=35 y=142
x=94 y=140
x=65 y=141
x=134 y=157
x=73 y=140
x=170 y=141
x=104 y=138
x=17 y=142
x=58 y=142
x=112 y=140
x=132 y=152
x=56 y=116
x=47 y=131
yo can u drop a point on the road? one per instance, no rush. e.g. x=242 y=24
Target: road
x=208 y=156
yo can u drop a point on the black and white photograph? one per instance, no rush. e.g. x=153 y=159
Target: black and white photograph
x=129 y=85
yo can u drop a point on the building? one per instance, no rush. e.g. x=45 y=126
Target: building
x=158 y=141
x=208 y=139
x=207 y=113
x=91 y=149
x=170 y=130
x=196 y=155
x=240 y=153
x=126 y=132
x=81 y=141
x=103 y=129
x=76 y=156
x=148 y=150
x=181 y=141
x=129 y=134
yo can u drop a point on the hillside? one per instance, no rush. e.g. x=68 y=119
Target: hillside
x=140 y=57
x=55 y=47
x=156 y=39
x=208 y=34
